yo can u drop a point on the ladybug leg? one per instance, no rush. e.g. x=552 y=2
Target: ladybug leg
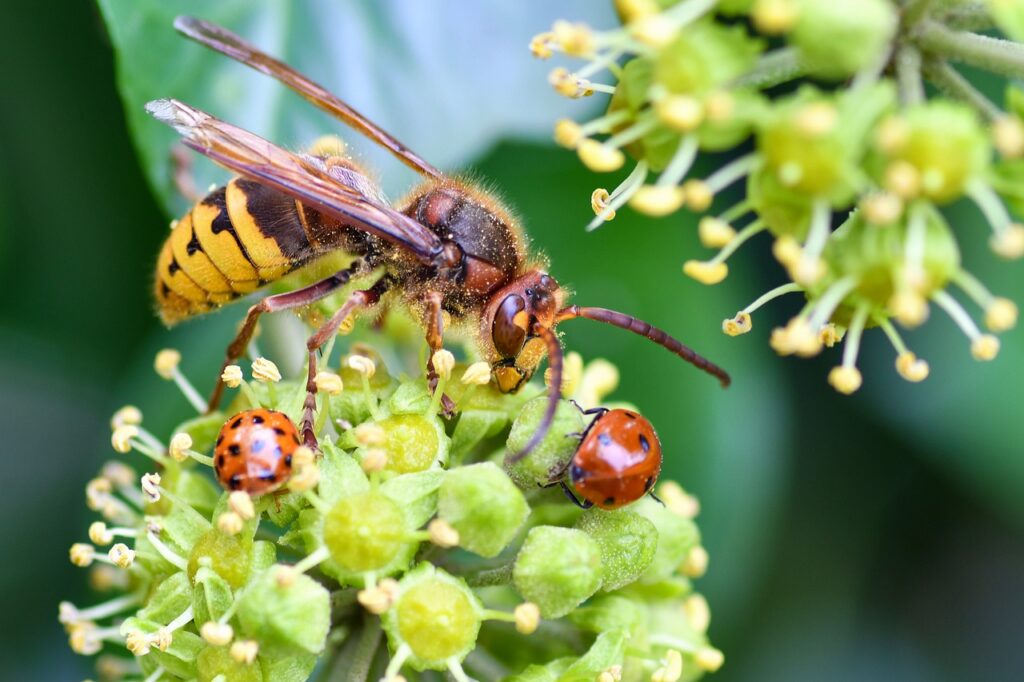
x=292 y=299
x=593 y=410
x=358 y=299
x=434 y=324
x=582 y=504
x=655 y=497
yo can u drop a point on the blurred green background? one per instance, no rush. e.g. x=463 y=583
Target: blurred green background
x=872 y=537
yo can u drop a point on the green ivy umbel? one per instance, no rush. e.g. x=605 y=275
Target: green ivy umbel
x=831 y=96
x=403 y=549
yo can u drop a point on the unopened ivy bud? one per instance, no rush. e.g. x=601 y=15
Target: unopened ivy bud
x=909 y=308
x=216 y=634
x=709 y=659
x=180 y=444
x=477 y=374
x=232 y=376
x=82 y=554
x=706 y=272
x=245 y=651
x=672 y=670
x=627 y=542
x=680 y=112
x=166 y=363
x=150 y=485
x=230 y=523
x=444 y=363
x=698 y=613
x=265 y=370
x=129 y=414
x=550 y=454
x=882 y=208
x=363 y=365
x=1009 y=242
x=121 y=555
x=557 y=569
x=443 y=534
x=329 y=383
x=741 y=323
x=902 y=179
x=696 y=562
x=483 y=506
x=1008 y=136
x=599 y=157
x=599 y=200
x=122 y=436
x=365 y=532
x=845 y=379
x=295 y=615
x=658 y=200
x=911 y=368
x=568 y=133
x=985 y=347
x=527 y=617
x=1001 y=314
x=698 y=195
x=774 y=17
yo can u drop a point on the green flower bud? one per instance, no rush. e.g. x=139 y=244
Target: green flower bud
x=351 y=405
x=628 y=543
x=414 y=442
x=705 y=56
x=365 y=532
x=203 y=430
x=608 y=613
x=1009 y=16
x=297 y=668
x=557 y=568
x=416 y=494
x=290 y=613
x=435 y=615
x=551 y=454
x=228 y=555
x=171 y=597
x=217 y=661
x=485 y=507
x=676 y=537
x=838 y=39
x=340 y=475
x=211 y=596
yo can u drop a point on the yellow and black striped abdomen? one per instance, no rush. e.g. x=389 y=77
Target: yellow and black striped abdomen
x=240 y=237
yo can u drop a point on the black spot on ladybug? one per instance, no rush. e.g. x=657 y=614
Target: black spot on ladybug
x=604 y=439
x=220 y=461
x=288 y=460
x=235 y=424
x=235 y=449
x=257 y=446
x=648 y=483
x=644 y=443
x=220 y=439
x=609 y=501
x=256 y=419
x=295 y=438
x=631 y=415
x=235 y=482
x=278 y=430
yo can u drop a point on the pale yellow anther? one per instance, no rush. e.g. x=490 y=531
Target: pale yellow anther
x=698 y=195
x=796 y=338
x=696 y=562
x=265 y=370
x=911 y=368
x=1001 y=314
x=882 y=208
x=477 y=374
x=719 y=106
x=380 y=598
x=715 y=233
x=830 y=335
x=909 y=308
x=1008 y=136
x=654 y=30
x=137 y=642
x=678 y=501
x=774 y=17
x=166 y=363
x=97 y=493
x=658 y=200
x=103 y=578
x=631 y=10
x=672 y=670
x=612 y=674
x=217 y=634
x=100 y=534
x=363 y=365
x=567 y=84
x=245 y=651
x=370 y=433
x=891 y=135
x=443 y=534
x=303 y=456
x=568 y=133
x=845 y=379
x=179 y=447
x=286 y=576
x=527 y=617
x=122 y=437
x=741 y=323
x=150 y=485
x=82 y=554
x=808 y=271
x=600 y=378
x=240 y=502
x=787 y=251
x=698 y=613
x=444 y=363
x=540 y=45
x=1009 y=242
x=680 y=112
x=83 y=640
x=985 y=347
x=329 y=383
x=127 y=415
x=304 y=478
x=230 y=523
x=817 y=119
x=902 y=179
x=232 y=376
x=121 y=555
x=705 y=272
x=576 y=39
x=599 y=157
x=572 y=373
x=118 y=473
x=709 y=659
x=375 y=459
x=599 y=200
x=328 y=145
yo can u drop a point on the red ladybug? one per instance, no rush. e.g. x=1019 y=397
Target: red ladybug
x=254 y=451
x=617 y=461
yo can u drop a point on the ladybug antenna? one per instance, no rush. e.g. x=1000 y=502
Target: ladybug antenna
x=663 y=339
x=554 y=394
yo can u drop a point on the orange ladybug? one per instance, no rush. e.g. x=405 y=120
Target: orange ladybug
x=617 y=461
x=254 y=451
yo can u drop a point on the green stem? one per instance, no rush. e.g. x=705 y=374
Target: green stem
x=991 y=54
x=972 y=17
x=502 y=575
x=365 y=650
x=952 y=83
x=915 y=10
x=776 y=67
x=908 y=76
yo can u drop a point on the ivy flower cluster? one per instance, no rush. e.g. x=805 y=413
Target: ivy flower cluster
x=823 y=110
x=402 y=545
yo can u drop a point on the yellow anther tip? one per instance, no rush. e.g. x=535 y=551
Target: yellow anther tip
x=696 y=562
x=715 y=233
x=443 y=362
x=363 y=365
x=706 y=272
x=540 y=45
x=911 y=368
x=654 y=30
x=741 y=323
x=121 y=438
x=709 y=659
x=902 y=179
x=232 y=376
x=1008 y=136
x=166 y=362
x=527 y=617
x=1009 y=243
x=774 y=17
x=329 y=383
x=216 y=634
x=599 y=157
x=844 y=379
x=985 y=347
x=477 y=374
x=568 y=133
x=882 y=208
x=1001 y=315
x=787 y=251
x=681 y=112
x=655 y=200
x=817 y=119
x=265 y=370
x=443 y=534
x=698 y=195
x=909 y=308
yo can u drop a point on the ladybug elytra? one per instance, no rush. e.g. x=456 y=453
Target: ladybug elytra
x=254 y=451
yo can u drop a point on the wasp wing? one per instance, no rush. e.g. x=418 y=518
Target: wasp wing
x=250 y=155
x=227 y=43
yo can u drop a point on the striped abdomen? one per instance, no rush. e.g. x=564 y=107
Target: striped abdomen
x=231 y=243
